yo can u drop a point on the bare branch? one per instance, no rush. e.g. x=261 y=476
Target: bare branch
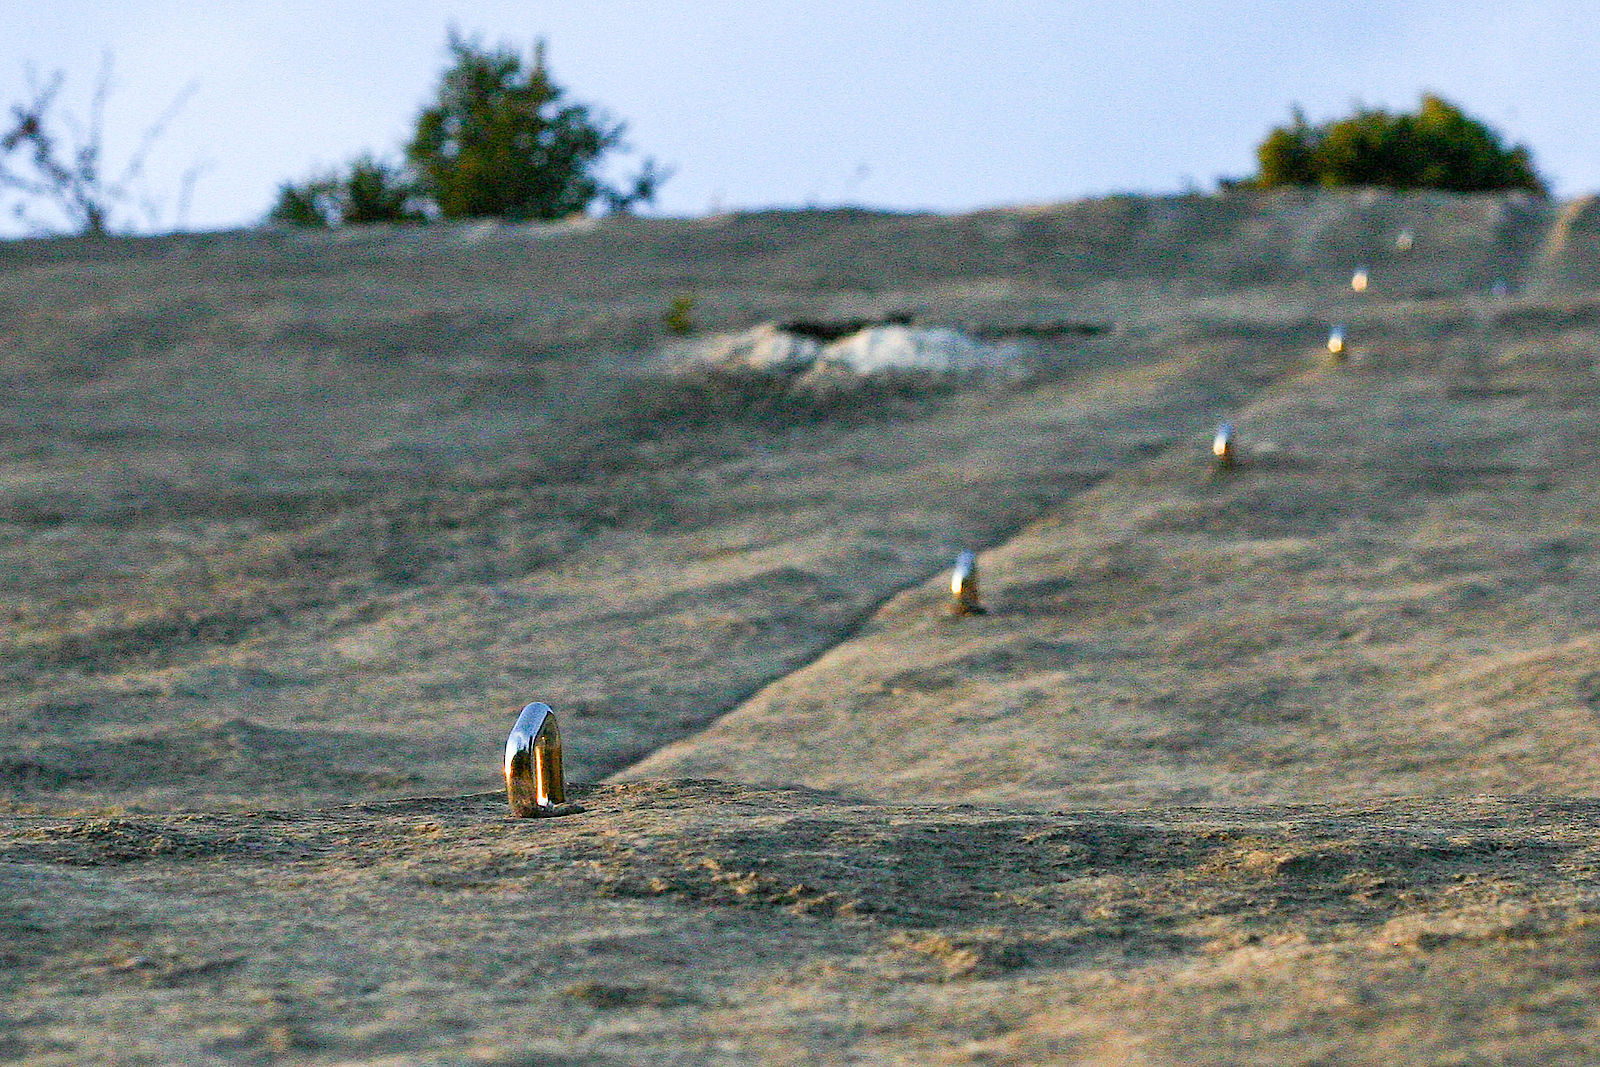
x=50 y=156
x=191 y=177
x=152 y=134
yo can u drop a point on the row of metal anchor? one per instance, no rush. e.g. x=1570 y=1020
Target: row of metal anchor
x=534 y=782
x=1224 y=455
x=1225 y=445
x=1358 y=282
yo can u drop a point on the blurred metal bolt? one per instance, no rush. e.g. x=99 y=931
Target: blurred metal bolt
x=1224 y=447
x=964 y=585
x=1336 y=342
x=1358 y=280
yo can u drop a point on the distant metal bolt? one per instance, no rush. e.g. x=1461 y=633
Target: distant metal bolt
x=964 y=585
x=1224 y=448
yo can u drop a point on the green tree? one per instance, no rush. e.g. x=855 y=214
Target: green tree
x=1438 y=147
x=370 y=191
x=502 y=141
x=1287 y=156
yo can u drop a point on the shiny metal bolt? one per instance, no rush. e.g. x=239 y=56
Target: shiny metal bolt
x=964 y=585
x=1224 y=447
x=534 y=781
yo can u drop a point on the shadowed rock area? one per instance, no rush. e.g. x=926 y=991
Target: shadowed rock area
x=704 y=922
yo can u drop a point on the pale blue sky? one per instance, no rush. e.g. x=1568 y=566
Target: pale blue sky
x=942 y=104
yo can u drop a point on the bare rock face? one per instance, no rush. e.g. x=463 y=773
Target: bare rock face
x=872 y=350
x=1295 y=765
x=908 y=348
x=1565 y=263
x=766 y=347
x=706 y=922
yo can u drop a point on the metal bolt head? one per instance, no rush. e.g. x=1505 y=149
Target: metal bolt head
x=1224 y=446
x=535 y=785
x=964 y=585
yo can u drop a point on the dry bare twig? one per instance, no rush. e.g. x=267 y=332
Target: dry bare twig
x=48 y=156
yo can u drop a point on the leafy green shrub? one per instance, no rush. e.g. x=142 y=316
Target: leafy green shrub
x=371 y=191
x=500 y=140
x=679 y=319
x=1438 y=147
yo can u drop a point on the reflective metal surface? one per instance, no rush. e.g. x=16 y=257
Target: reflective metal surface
x=1336 y=341
x=964 y=585
x=1224 y=448
x=1358 y=280
x=534 y=782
